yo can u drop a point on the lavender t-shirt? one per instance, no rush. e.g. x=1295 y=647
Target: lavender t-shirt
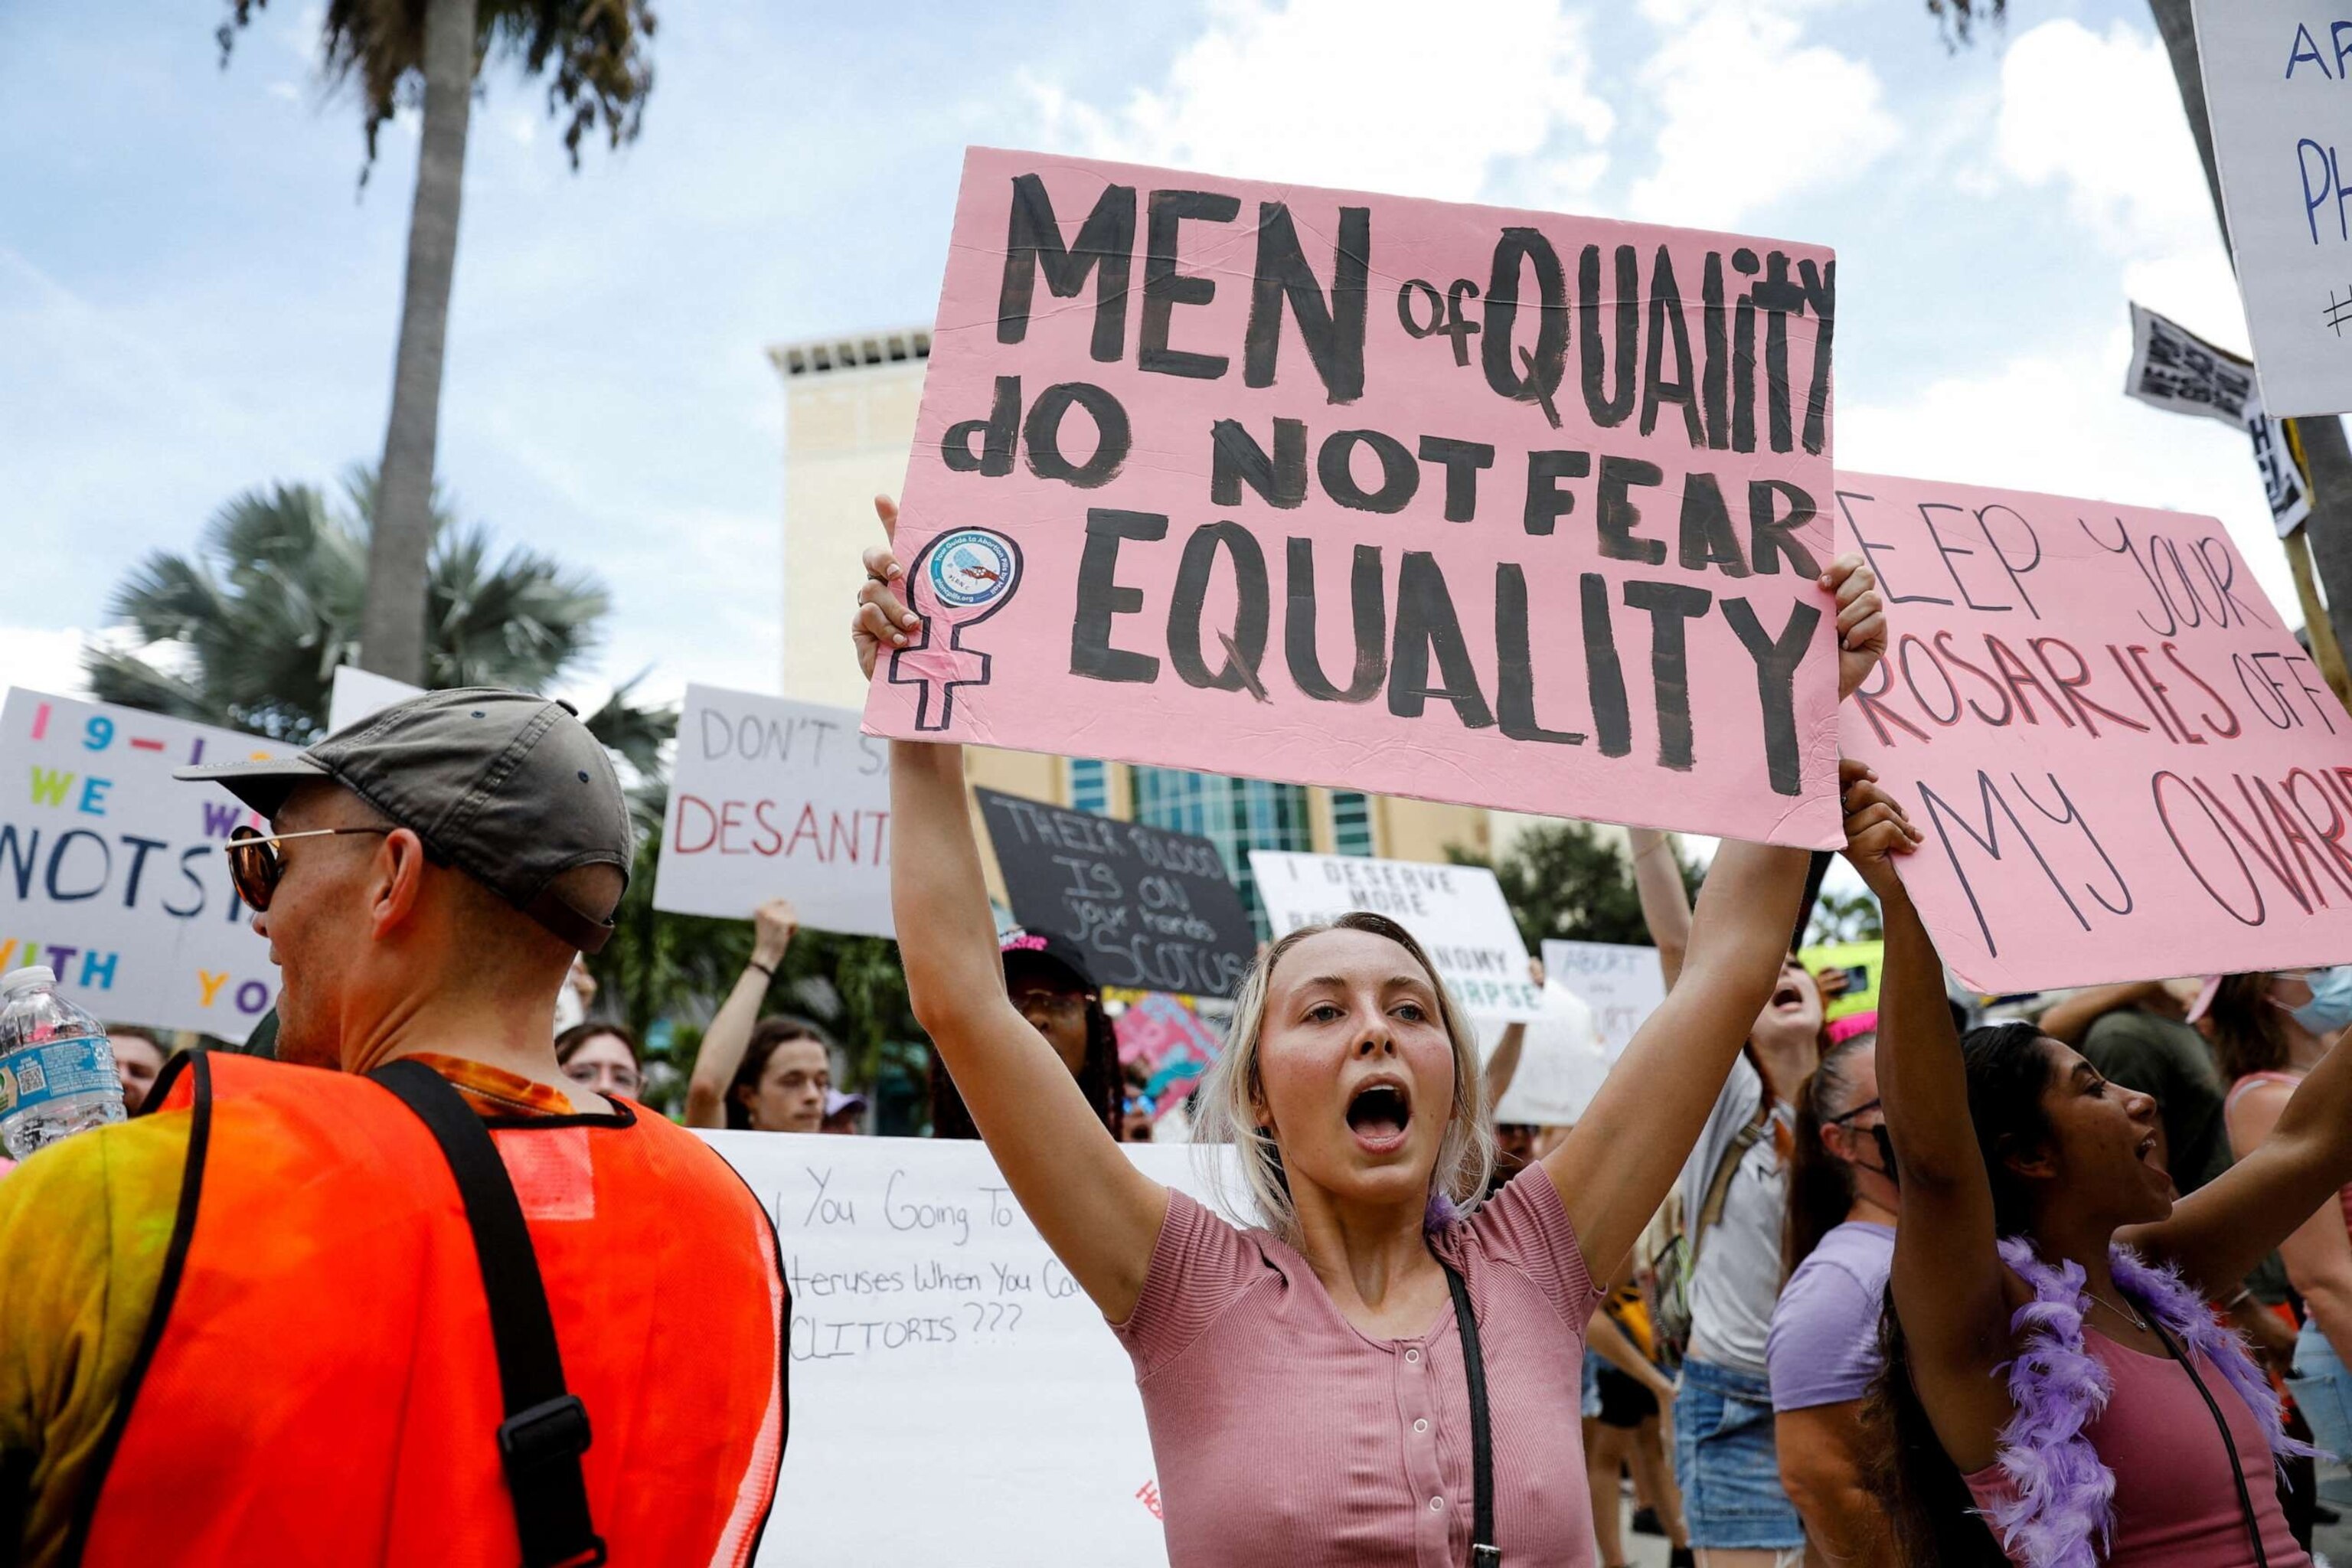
x=1823 y=1348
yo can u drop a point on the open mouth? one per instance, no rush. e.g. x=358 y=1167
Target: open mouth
x=1379 y=1114
x=1788 y=996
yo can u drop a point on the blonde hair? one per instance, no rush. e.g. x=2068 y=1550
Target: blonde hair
x=1229 y=1092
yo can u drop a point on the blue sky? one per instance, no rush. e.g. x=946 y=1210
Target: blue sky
x=195 y=296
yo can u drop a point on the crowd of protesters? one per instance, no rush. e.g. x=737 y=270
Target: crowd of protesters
x=1893 y=1290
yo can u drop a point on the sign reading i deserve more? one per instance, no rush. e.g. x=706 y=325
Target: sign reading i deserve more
x=2122 y=762
x=1503 y=508
x=1456 y=913
x=112 y=871
x=2277 y=91
x=770 y=798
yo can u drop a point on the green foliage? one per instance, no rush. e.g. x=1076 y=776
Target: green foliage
x=1568 y=881
x=593 y=51
x=247 y=630
x=1845 y=917
x=1959 y=18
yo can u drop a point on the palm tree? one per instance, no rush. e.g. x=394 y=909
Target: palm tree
x=403 y=53
x=247 y=631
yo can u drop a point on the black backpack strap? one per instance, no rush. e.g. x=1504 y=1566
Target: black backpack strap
x=1484 y=1553
x=546 y=1428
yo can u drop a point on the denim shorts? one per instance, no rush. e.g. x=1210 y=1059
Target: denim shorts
x=1726 y=1461
x=2321 y=1387
x=1592 y=1365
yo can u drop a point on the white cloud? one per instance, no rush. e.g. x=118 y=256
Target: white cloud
x=1371 y=94
x=43 y=660
x=1752 y=113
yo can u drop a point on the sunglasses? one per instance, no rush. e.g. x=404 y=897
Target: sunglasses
x=255 y=864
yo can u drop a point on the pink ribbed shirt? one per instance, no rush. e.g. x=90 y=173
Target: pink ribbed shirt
x=1282 y=1434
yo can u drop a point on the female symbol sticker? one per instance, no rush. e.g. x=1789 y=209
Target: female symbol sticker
x=958 y=580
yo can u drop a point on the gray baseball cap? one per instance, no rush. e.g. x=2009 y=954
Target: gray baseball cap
x=510 y=788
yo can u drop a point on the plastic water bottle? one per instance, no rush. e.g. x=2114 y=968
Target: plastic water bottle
x=57 y=1068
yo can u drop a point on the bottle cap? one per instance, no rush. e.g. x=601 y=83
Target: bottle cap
x=17 y=980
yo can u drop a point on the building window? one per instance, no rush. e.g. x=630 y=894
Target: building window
x=1089 y=785
x=1237 y=815
x=1351 y=822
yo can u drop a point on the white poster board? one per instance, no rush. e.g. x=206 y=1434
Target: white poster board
x=1620 y=980
x=772 y=798
x=1457 y=912
x=2174 y=369
x=1562 y=1062
x=2282 y=116
x=112 y=871
x=956 y=1398
x=356 y=695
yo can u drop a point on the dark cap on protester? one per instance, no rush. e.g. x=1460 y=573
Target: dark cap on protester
x=510 y=788
x=1044 y=950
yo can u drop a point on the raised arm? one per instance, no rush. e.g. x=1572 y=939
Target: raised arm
x=1095 y=1209
x=2070 y=1019
x=1951 y=1288
x=1616 y=1166
x=2222 y=1230
x=729 y=1035
x=1666 y=902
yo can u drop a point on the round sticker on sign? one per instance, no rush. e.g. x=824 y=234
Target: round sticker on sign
x=958 y=580
x=972 y=569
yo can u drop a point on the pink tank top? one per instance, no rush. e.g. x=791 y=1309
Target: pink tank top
x=2176 y=1503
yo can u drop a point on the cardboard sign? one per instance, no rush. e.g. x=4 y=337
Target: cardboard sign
x=112 y=871
x=1456 y=913
x=1151 y=909
x=1561 y=1063
x=357 y=694
x=1503 y=508
x=2122 y=764
x=1620 y=980
x=2174 y=369
x=2275 y=90
x=1861 y=962
x=956 y=1397
x=772 y=798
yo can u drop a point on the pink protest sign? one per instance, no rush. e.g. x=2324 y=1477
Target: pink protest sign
x=2124 y=765
x=1503 y=508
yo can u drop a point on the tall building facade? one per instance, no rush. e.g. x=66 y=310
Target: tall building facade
x=849 y=425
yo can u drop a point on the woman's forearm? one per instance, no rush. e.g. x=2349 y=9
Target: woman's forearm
x=937 y=885
x=1920 y=1076
x=724 y=1043
x=1665 y=901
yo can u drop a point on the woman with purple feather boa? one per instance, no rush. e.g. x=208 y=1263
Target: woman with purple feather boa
x=2056 y=1394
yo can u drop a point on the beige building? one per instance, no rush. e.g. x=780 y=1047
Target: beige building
x=849 y=425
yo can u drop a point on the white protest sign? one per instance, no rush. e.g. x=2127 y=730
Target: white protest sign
x=2174 y=369
x=772 y=798
x=1457 y=912
x=1620 y=981
x=112 y=871
x=2281 y=107
x=1561 y=1063
x=356 y=695
x=956 y=1397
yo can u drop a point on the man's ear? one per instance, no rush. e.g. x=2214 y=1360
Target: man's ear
x=397 y=882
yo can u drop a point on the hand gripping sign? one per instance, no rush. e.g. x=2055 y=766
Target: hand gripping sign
x=959 y=579
x=1513 y=508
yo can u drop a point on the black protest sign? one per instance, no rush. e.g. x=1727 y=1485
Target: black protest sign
x=1150 y=909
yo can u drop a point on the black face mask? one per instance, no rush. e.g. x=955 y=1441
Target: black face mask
x=1877 y=1134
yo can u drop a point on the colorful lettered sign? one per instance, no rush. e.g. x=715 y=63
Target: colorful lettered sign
x=1505 y=507
x=2124 y=765
x=112 y=871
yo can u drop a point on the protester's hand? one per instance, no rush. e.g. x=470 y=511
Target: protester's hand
x=773 y=924
x=1535 y=973
x=882 y=615
x=1831 y=981
x=1876 y=827
x=1862 y=621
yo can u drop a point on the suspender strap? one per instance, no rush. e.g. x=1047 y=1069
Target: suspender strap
x=1483 y=1553
x=546 y=1428
x=2229 y=1441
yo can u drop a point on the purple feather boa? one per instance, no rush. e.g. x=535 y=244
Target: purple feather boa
x=2061 y=1512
